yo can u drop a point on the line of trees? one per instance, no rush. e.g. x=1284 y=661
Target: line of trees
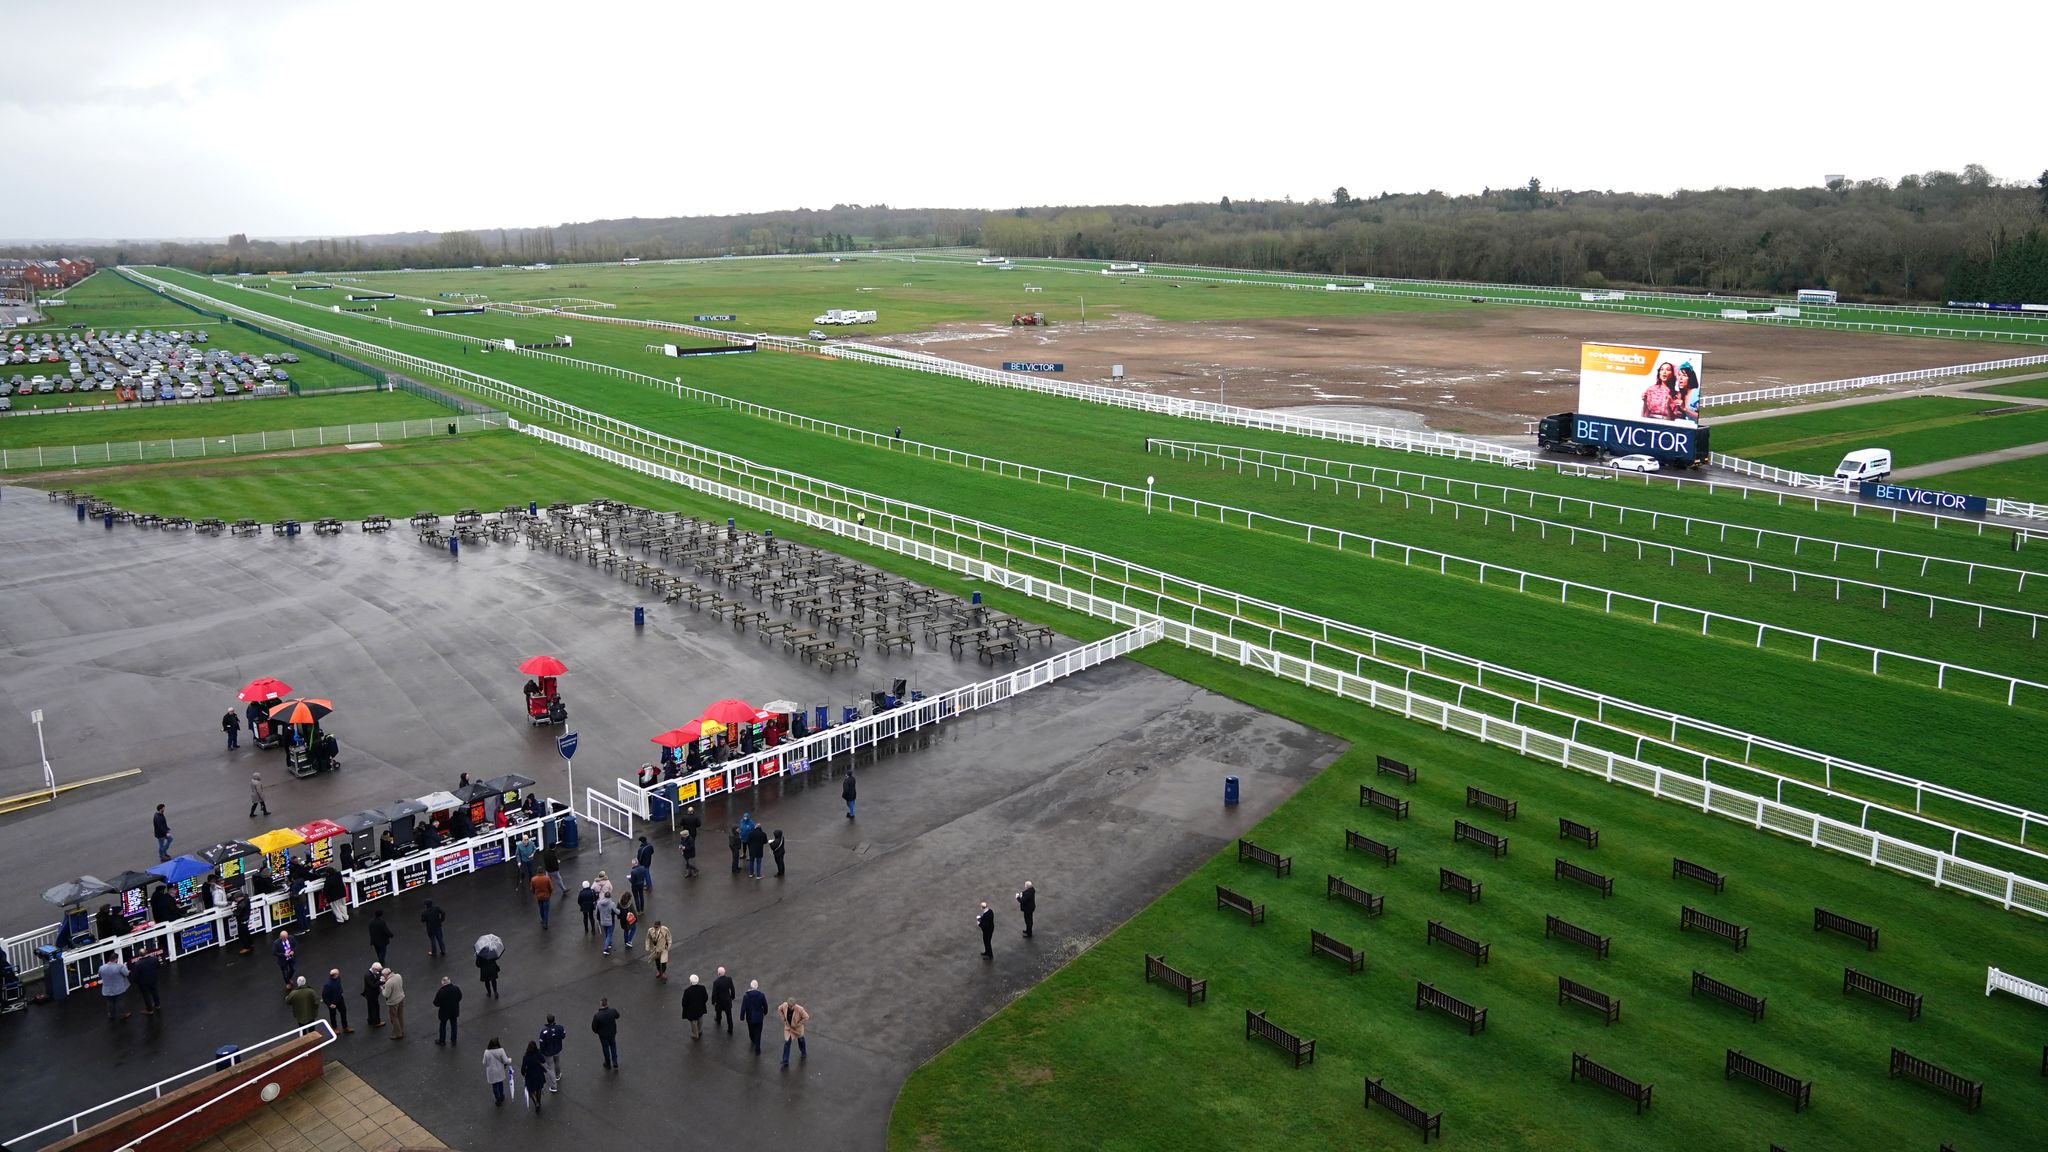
x=1928 y=236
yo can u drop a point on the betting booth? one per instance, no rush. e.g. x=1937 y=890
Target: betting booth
x=439 y=809
x=272 y=871
x=131 y=900
x=231 y=859
x=401 y=816
x=357 y=843
x=479 y=804
x=186 y=878
x=322 y=838
x=544 y=704
x=76 y=926
x=510 y=790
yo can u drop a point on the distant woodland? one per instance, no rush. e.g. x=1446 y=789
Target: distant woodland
x=1928 y=236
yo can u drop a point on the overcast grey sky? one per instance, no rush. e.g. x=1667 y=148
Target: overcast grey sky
x=150 y=119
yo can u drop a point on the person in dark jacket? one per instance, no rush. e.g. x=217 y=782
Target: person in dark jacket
x=487 y=971
x=335 y=889
x=448 y=1004
x=757 y=845
x=1027 y=903
x=687 y=841
x=380 y=935
x=776 y=845
x=639 y=879
x=551 y=863
x=986 y=921
x=163 y=907
x=695 y=999
x=335 y=997
x=722 y=995
x=286 y=954
x=160 y=827
x=373 y=994
x=754 y=1010
x=533 y=1075
x=303 y=1002
x=434 y=919
x=552 y=1036
x=606 y=1024
x=143 y=972
x=644 y=855
x=423 y=836
x=734 y=842
x=387 y=846
x=232 y=725
x=846 y=792
x=587 y=900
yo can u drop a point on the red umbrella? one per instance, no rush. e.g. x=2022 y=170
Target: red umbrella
x=265 y=688
x=681 y=737
x=301 y=711
x=543 y=666
x=731 y=712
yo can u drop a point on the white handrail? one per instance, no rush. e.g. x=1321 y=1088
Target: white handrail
x=156 y=1091
x=201 y=447
x=1997 y=981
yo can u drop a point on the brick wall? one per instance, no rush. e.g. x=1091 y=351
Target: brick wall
x=116 y=1133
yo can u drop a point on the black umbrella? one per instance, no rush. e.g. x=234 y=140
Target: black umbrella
x=400 y=810
x=128 y=880
x=511 y=783
x=77 y=891
x=471 y=793
x=227 y=850
x=361 y=821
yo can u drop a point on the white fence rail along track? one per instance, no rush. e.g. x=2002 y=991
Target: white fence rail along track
x=1321 y=634
x=198 y=447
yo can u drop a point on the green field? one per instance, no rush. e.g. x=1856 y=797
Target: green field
x=2023 y=479
x=1040 y=1073
x=1918 y=430
x=224 y=419
x=2037 y=389
x=105 y=300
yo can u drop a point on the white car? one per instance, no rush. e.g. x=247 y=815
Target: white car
x=1636 y=463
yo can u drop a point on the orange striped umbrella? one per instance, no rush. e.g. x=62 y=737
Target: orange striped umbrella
x=301 y=711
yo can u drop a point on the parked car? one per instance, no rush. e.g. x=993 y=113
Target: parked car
x=1635 y=463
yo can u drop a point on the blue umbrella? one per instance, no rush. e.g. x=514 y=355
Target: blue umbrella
x=181 y=869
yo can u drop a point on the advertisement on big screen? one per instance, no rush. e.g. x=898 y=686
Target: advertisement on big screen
x=1641 y=399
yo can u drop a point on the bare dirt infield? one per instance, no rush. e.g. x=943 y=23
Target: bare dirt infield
x=1482 y=369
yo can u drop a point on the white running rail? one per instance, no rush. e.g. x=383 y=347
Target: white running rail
x=1997 y=981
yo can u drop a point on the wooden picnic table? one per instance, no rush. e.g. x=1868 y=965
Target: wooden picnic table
x=994 y=646
x=813 y=646
x=796 y=637
x=832 y=656
x=1035 y=632
x=748 y=616
x=777 y=628
x=895 y=640
x=245 y=528
x=839 y=616
x=327 y=526
x=720 y=606
x=961 y=636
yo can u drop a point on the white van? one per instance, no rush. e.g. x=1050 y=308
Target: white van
x=1865 y=464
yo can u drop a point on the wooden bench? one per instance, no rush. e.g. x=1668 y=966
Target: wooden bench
x=676 y=592
x=895 y=640
x=1354 y=960
x=1784 y=1084
x=1427 y=995
x=832 y=656
x=1614 y=1081
x=1729 y=994
x=1476 y=797
x=1368 y=795
x=1566 y=870
x=1281 y=865
x=1584 y=937
x=1577 y=993
x=1692 y=871
x=811 y=647
x=1480 y=953
x=1573 y=830
x=795 y=637
x=1427 y=1121
x=1337 y=888
x=1033 y=633
x=1492 y=842
x=1970 y=1092
x=1822 y=918
x=1389 y=854
x=777 y=628
x=1854 y=981
x=1388 y=767
x=1256 y=1024
x=747 y=616
x=1447 y=880
x=1691 y=917
x=1156 y=968
x=990 y=648
x=1225 y=898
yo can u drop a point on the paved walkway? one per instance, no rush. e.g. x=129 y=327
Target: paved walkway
x=335 y=1113
x=1977 y=460
x=1968 y=389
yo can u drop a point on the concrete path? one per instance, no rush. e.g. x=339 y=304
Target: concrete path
x=1970 y=389
x=1977 y=460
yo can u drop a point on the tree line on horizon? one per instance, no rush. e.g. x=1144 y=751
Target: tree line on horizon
x=1926 y=237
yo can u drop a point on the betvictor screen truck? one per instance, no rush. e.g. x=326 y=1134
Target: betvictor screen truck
x=1575 y=432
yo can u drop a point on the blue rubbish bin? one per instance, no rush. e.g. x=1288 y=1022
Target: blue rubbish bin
x=533 y=508
x=226 y=1054
x=53 y=971
x=1230 y=791
x=848 y=715
x=108 y=518
x=661 y=801
x=81 y=513
x=639 y=616
x=824 y=717
x=571 y=838
x=977 y=598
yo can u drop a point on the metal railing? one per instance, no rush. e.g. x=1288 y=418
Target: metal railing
x=1997 y=981
x=1938 y=867
x=201 y=447
x=79 y=1121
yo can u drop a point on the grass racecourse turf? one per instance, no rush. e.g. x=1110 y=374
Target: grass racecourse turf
x=1101 y=1055
x=175 y=421
x=1854 y=715
x=1918 y=430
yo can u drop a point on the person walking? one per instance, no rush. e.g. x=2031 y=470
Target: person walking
x=552 y=1037
x=497 y=1070
x=160 y=827
x=543 y=890
x=335 y=997
x=393 y=992
x=487 y=971
x=644 y=855
x=524 y=852
x=629 y=918
x=232 y=725
x=775 y=847
x=303 y=1001
x=1027 y=903
x=687 y=841
x=533 y=1075
x=256 y=799
x=638 y=880
x=754 y=1010
x=143 y=972
x=380 y=935
x=587 y=900
x=607 y=919
x=722 y=995
x=373 y=995
x=606 y=1024
x=794 y=1017
x=113 y=986
x=286 y=954
x=695 y=998
x=734 y=842
x=659 y=941
x=435 y=920
x=987 y=922
x=448 y=1007
x=551 y=863
x=757 y=846
x=603 y=884
x=846 y=792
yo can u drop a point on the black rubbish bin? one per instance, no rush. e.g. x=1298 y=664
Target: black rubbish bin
x=451 y=429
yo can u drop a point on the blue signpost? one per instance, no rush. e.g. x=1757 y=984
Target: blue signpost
x=566 y=745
